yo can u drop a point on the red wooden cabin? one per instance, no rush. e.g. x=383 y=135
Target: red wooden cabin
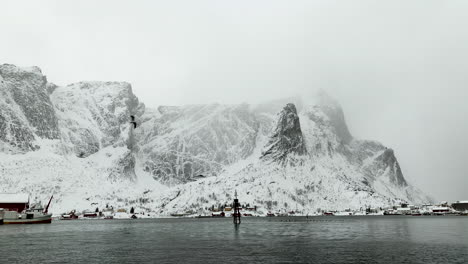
x=14 y=201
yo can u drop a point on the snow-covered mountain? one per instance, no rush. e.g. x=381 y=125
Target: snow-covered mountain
x=76 y=142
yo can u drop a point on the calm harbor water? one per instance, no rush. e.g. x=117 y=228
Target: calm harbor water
x=377 y=239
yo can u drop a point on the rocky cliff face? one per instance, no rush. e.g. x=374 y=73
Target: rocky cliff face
x=180 y=143
x=287 y=139
x=27 y=111
x=94 y=115
x=76 y=142
x=386 y=164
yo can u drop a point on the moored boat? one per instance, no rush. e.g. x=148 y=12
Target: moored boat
x=90 y=214
x=218 y=214
x=29 y=215
x=32 y=216
x=69 y=216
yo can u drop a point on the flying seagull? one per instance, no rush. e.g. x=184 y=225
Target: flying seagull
x=133 y=121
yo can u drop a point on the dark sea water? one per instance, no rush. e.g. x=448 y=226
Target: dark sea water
x=376 y=239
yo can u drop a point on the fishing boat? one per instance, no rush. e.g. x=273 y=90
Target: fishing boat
x=28 y=215
x=89 y=214
x=218 y=214
x=70 y=216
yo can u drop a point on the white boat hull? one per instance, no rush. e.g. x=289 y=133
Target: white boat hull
x=11 y=217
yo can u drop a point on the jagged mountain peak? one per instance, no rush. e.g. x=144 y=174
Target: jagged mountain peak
x=287 y=138
x=10 y=69
x=321 y=107
x=273 y=106
x=389 y=164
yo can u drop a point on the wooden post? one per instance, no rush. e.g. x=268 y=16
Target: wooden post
x=236 y=215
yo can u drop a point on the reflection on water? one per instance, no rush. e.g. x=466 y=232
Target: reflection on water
x=386 y=239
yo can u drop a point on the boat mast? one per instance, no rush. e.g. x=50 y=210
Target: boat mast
x=47 y=207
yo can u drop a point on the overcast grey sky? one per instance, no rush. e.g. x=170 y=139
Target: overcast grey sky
x=399 y=68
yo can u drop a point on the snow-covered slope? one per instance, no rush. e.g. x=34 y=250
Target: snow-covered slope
x=76 y=142
x=26 y=111
x=93 y=115
x=180 y=143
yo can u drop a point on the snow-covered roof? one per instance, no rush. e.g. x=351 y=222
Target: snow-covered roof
x=14 y=197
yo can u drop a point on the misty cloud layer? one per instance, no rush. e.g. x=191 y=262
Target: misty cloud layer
x=399 y=68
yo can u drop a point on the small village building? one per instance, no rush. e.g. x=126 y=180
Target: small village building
x=403 y=210
x=14 y=201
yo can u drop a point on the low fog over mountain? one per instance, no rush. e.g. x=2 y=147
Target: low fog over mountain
x=77 y=143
